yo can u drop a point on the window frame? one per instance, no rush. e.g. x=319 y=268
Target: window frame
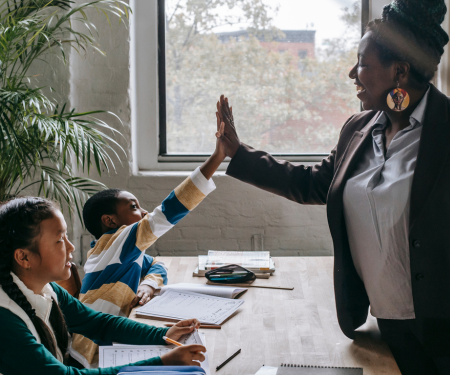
x=163 y=156
x=148 y=95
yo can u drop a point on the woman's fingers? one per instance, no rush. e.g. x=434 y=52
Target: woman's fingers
x=220 y=109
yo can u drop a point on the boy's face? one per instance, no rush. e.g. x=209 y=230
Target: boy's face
x=128 y=212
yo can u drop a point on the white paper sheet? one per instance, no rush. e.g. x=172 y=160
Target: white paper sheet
x=267 y=370
x=247 y=259
x=122 y=355
x=187 y=305
x=211 y=290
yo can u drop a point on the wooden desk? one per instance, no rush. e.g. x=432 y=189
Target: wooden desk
x=281 y=326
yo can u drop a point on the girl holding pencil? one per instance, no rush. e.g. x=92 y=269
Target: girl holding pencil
x=37 y=315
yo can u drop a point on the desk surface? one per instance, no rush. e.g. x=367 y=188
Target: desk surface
x=283 y=326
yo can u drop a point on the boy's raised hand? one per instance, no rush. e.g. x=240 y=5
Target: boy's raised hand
x=184 y=356
x=143 y=295
x=181 y=328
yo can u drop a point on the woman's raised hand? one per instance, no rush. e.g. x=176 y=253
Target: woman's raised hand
x=226 y=133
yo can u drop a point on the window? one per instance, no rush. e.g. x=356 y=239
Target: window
x=302 y=54
x=251 y=51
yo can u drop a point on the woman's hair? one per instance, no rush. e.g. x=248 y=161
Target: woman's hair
x=20 y=220
x=410 y=31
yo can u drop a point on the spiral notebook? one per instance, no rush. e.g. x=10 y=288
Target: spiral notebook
x=289 y=369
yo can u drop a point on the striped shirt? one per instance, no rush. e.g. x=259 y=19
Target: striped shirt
x=117 y=264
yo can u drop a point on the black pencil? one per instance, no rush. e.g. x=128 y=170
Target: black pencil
x=227 y=360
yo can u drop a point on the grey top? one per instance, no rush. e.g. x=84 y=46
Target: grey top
x=376 y=210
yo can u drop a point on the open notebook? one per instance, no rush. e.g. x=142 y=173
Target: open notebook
x=122 y=355
x=174 y=305
x=211 y=290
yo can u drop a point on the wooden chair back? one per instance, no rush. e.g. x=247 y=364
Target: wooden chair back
x=73 y=284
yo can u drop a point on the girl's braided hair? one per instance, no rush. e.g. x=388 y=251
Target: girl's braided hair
x=410 y=30
x=20 y=220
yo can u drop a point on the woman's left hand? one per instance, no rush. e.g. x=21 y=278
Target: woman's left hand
x=181 y=328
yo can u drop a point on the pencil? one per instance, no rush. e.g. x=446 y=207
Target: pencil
x=205 y=326
x=165 y=338
x=227 y=360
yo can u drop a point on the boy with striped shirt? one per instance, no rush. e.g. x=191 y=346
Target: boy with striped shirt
x=118 y=272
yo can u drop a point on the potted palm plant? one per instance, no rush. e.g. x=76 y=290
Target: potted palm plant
x=42 y=143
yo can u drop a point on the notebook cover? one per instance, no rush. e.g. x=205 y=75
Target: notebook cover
x=317 y=370
x=155 y=370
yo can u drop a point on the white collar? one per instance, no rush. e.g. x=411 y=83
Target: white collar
x=419 y=112
x=42 y=303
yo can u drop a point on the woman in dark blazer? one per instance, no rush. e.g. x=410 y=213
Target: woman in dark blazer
x=386 y=186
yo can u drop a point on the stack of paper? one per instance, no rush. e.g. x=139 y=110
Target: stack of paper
x=259 y=262
x=178 y=305
x=253 y=260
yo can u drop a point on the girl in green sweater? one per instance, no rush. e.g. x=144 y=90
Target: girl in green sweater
x=36 y=315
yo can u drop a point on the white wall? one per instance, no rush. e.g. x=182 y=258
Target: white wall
x=229 y=217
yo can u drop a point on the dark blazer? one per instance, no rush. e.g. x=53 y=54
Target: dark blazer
x=429 y=229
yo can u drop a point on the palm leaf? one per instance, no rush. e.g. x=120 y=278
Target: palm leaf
x=43 y=144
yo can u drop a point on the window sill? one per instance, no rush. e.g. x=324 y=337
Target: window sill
x=183 y=165
x=173 y=173
x=180 y=158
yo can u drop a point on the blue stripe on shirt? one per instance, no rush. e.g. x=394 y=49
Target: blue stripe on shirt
x=112 y=274
x=173 y=209
x=129 y=252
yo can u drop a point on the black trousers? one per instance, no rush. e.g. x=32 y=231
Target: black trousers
x=403 y=340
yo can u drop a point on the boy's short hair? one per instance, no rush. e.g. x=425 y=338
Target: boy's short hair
x=102 y=203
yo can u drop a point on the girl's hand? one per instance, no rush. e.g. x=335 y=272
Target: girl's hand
x=184 y=356
x=143 y=295
x=181 y=328
x=227 y=134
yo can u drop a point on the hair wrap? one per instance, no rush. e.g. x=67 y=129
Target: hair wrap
x=424 y=18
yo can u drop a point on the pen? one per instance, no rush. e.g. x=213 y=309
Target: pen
x=227 y=360
x=165 y=338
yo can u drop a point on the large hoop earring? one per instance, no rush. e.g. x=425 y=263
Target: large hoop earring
x=398 y=99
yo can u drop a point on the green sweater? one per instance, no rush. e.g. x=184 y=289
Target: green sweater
x=21 y=354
